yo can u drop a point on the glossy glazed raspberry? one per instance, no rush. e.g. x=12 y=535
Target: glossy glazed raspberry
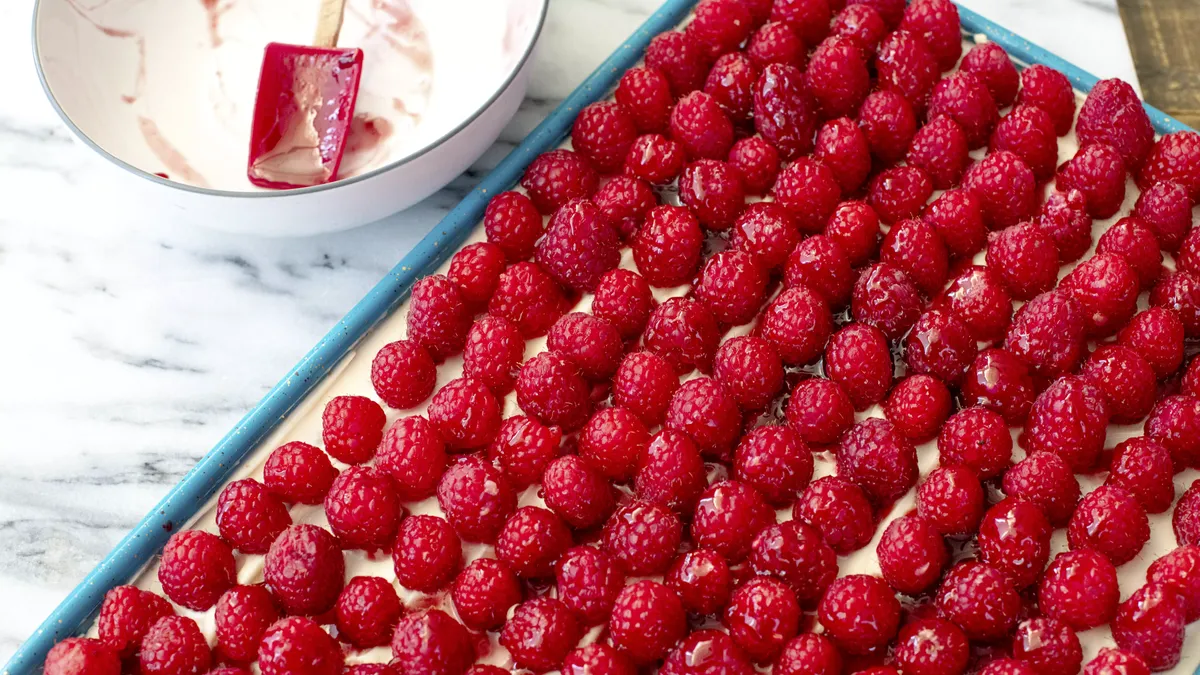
x=750 y=369
x=727 y=518
x=667 y=249
x=1046 y=480
x=476 y=269
x=367 y=611
x=810 y=652
x=840 y=511
x=1068 y=418
x=958 y=217
x=1065 y=220
x=174 y=645
x=593 y=344
x=899 y=192
x=915 y=247
x=809 y=18
x=795 y=553
x=1098 y=172
x=1180 y=291
x=1175 y=422
x=819 y=410
x=414 y=455
x=483 y=591
x=912 y=555
x=1047 y=334
x=577 y=492
x=1050 y=90
x=776 y=42
x=888 y=120
x=1150 y=623
x=579 y=246
x=940 y=344
x=196 y=568
x=532 y=541
x=713 y=191
x=551 y=389
x=936 y=22
x=645 y=93
x=1111 y=661
x=1144 y=467
x=654 y=158
x=766 y=230
x=1167 y=208
x=705 y=652
x=978 y=439
x=299 y=473
x=430 y=641
x=885 y=298
x=917 y=406
x=598 y=658
x=1132 y=239
x=992 y=64
x=1025 y=259
x=702 y=579
x=647 y=621
x=775 y=461
x=732 y=284
x=602 y=134
x=797 y=323
x=1110 y=520
x=820 y=264
x=979 y=300
x=588 y=581
x=837 y=76
x=465 y=413
x=731 y=81
x=644 y=383
x=842 y=146
x=904 y=63
x=1007 y=666
x=932 y=647
x=1126 y=380
x=249 y=517
x=528 y=297
x=951 y=500
x=756 y=163
x=701 y=127
x=427 y=554
x=305 y=570
x=784 y=112
x=625 y=200
x=1080 y=589
x=623 y=299
x=1014 y=537
x=762 y=616
x=679 y=58
x=999 y=381
x=1175 y=158
x=1112 y=114
x=860 y=613
x=940 y=150
x=363 y=508
x=1178 y=571
x=540 y=633
x=476 y=498
x=874 y=456
x=859 y=359
x=979 y=599
x=1050 y=647
x=127 y=613
x=613 y=441
x=704 y=410
x=809 y=191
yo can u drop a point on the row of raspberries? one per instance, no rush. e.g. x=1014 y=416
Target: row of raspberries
x=836 y=277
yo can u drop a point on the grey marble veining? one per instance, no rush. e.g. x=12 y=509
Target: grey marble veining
x=133 y=344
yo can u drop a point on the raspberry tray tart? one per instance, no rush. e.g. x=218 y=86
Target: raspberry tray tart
x=828 y=342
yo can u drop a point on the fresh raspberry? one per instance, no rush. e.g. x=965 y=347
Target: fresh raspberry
x=979 y=599
x=702 y=579
x=809 y=18
x=704 y=652
x=483 y=591
x=1014 y=537
x=540 y=633
x=1079 y=588
x=427 y=553
x=958 y=217
x=1007 y=666
x=750 y=370
x=1178 y=571
x=1050 y=90
x=82 y=656
x=438 y=319
x=884 y=297
x=513 y=223
x=305 y=570
x=1005 y=187
x=784 y=111
x=756 y=163
x=367 y=611
x=1190 y=382
x=551 y=389
x=1175 y=423
x=577 y=492
x=936 y=22
x=1134 y=241
x=700 y=125
x=1106 y=287
x=775 y=461
x=352 y=427
x=837 y=76
x=797 y=323
x=647 y=621
x=363 y=508
x=493 y=353
x=918 y=406
x=940 y=345
x=951 y=500
x=588 y=581
x=912 y=555
x=671 y=472
x=1144 y=467
x=821 y=265
x=1180 y=291
x=654 y=158
x=992 y=64
x=1064 y=218
x=1126 y=380
x=1167 y=208
x=1176 y=158
x=529 y=297
x=819 y=410
x=762 y=616
x=556 y=177
x=964 y=98
x=932 y=647
x=999 y=381
x=1111 y=661
x=888 y=121
x=532 y=541
x=475 y=269
x=713 y=191
x=1112 y=114
x=1047 y=334
x=174 y=645
x=249 y=517
x=840 y=511
x=1046 y=480
x=858 y=358
x=1151 y=624
x=591 y=343
x=1049 y=646
x=645 y=94
x=732 y=284
x=613 y=441
x=978 y=299
x=414 y=455
x=940 y=150
x=810 y=653
x=704 y=410
x=601 y=658
x=1028 y=132
x=719 y=26
x=1110 y=520
x=861 y=22
x=126 y=614
x=1069 y=418
x=403 y=374
x=898 y=193
x=196 y=568
x=809 y=191
x=623 y=299
x=1185 y=520
x=877 y=458
x=1188 y=256
x=644 y=383
x=624 y=201
x=579 y=246
x=476 y=498
x=683 y=332
x=1157 y=334
x=795 y=553
x=667 y=249
x=1099 y=173
x=465 y=413
x=905 y=65
x=679 y=58
x=776 y=42
x=860 y=613
x=842 y=146
x=602 y=134
x=728 y=516
x=430 y=641
x=244 y=613
x=731 y=81
x=854 y=227
x=386 y=669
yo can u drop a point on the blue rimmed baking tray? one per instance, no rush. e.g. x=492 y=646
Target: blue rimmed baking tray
x=77 y=611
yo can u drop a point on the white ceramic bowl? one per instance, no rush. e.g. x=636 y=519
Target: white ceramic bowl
x=164 y=89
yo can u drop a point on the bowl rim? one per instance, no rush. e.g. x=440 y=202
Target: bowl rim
x=518 y=67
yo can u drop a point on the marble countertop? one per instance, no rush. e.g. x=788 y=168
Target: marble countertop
x=134 y=344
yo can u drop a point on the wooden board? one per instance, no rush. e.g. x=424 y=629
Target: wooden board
x=1164 y=36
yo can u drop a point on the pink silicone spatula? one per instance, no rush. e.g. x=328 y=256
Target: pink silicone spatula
x=304 y=106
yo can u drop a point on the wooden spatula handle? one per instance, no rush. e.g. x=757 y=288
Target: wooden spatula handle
x=329 y=23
